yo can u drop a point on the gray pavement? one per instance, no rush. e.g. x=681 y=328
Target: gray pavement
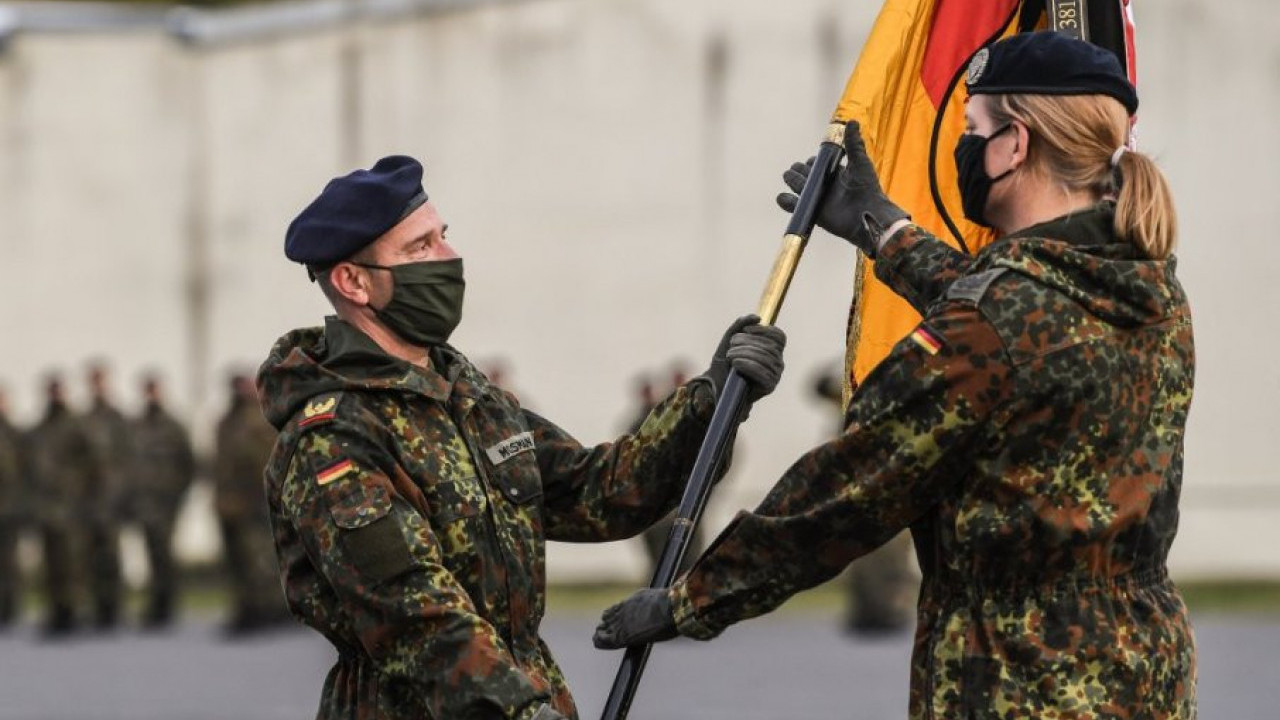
x=781 y=667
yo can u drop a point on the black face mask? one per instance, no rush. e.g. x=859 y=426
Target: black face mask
x=426 y=303
x=975 y=184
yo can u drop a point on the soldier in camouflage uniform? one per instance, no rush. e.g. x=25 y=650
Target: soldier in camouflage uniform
x=411 y=498
x=244 y=443
x=163 y=466
x=1029 y=431
x=63 y=471
x=13 y=491
x=108 y=432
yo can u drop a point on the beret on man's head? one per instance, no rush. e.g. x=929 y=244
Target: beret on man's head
x=1049 y=63
x=354 y=210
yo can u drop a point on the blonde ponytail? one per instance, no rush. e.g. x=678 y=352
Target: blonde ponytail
x=1144 y=207
x=1074 y=140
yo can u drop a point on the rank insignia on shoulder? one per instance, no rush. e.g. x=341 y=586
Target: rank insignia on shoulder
x=338 y=470
x=927 y=339
x=319 y=410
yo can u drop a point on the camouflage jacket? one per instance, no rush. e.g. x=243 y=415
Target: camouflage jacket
x=63 y=467
x=244 y=443
x=410 y=508
x=1030 y=433
x=108 y=433
x=163 y=463
x=13 y=477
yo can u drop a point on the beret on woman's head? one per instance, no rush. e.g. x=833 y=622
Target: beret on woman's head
x=1049 y=63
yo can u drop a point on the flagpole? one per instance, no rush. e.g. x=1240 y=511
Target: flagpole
x=728 y=413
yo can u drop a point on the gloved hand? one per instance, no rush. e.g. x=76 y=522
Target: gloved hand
x=855 y=207
x=645 y=617
x=755 y=351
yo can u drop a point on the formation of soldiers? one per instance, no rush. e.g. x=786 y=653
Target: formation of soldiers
x=75 y=479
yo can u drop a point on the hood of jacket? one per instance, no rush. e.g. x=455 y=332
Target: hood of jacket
x=337 y=358
x=1080 y=256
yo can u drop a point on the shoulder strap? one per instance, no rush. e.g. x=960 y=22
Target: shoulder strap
x=971 y=288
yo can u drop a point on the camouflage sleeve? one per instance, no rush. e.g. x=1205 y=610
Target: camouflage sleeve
x=615 y=490
x=911 y=424
x=384 y=563
x=918 y=266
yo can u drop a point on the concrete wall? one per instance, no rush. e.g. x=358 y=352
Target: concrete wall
x=607 y=167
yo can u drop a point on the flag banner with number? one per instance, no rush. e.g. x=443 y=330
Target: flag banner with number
x=908 y=94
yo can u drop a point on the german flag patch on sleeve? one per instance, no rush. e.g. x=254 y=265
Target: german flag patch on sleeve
x=927 y=339
x=334 y=472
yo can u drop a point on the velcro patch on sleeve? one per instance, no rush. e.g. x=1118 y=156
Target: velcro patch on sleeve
x=971 y=288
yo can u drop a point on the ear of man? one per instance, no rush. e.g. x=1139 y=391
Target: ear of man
x=346 y=284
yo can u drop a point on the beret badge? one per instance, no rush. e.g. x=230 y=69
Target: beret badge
x=978 y=65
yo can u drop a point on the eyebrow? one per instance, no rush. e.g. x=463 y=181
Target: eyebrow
x=415 y=240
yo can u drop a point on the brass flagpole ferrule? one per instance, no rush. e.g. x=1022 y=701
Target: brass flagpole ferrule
x=784 y=268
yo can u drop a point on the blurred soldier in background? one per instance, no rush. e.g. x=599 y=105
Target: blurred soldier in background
x=163 y=468
x=244 y=443
x=13 y=490
x=655 y=538
x=882 y=586
x=108 y=434
x=62 y=468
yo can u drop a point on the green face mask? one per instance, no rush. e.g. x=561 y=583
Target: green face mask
x=426 y=303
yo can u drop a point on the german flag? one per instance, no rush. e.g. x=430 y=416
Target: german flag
x=907 y=93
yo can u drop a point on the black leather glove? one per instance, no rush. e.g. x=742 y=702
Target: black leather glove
x=855 y=206
x=755 y=351
x=645 y=617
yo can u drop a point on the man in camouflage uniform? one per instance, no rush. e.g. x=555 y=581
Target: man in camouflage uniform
x=163 y=466
x=13 y=491
x=63 y=470
x=108 y=433
x=411 y=499
x=1029 y=431
x=244 y=442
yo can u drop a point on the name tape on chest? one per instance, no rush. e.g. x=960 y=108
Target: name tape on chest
x=510 y=447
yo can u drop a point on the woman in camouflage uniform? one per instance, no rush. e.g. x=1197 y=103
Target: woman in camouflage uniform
x=1029 y=431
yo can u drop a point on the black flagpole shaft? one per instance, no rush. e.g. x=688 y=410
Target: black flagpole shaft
x=726 y=416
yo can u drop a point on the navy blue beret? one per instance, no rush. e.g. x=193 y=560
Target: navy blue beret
x=1049 y=63
x=354 y=210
